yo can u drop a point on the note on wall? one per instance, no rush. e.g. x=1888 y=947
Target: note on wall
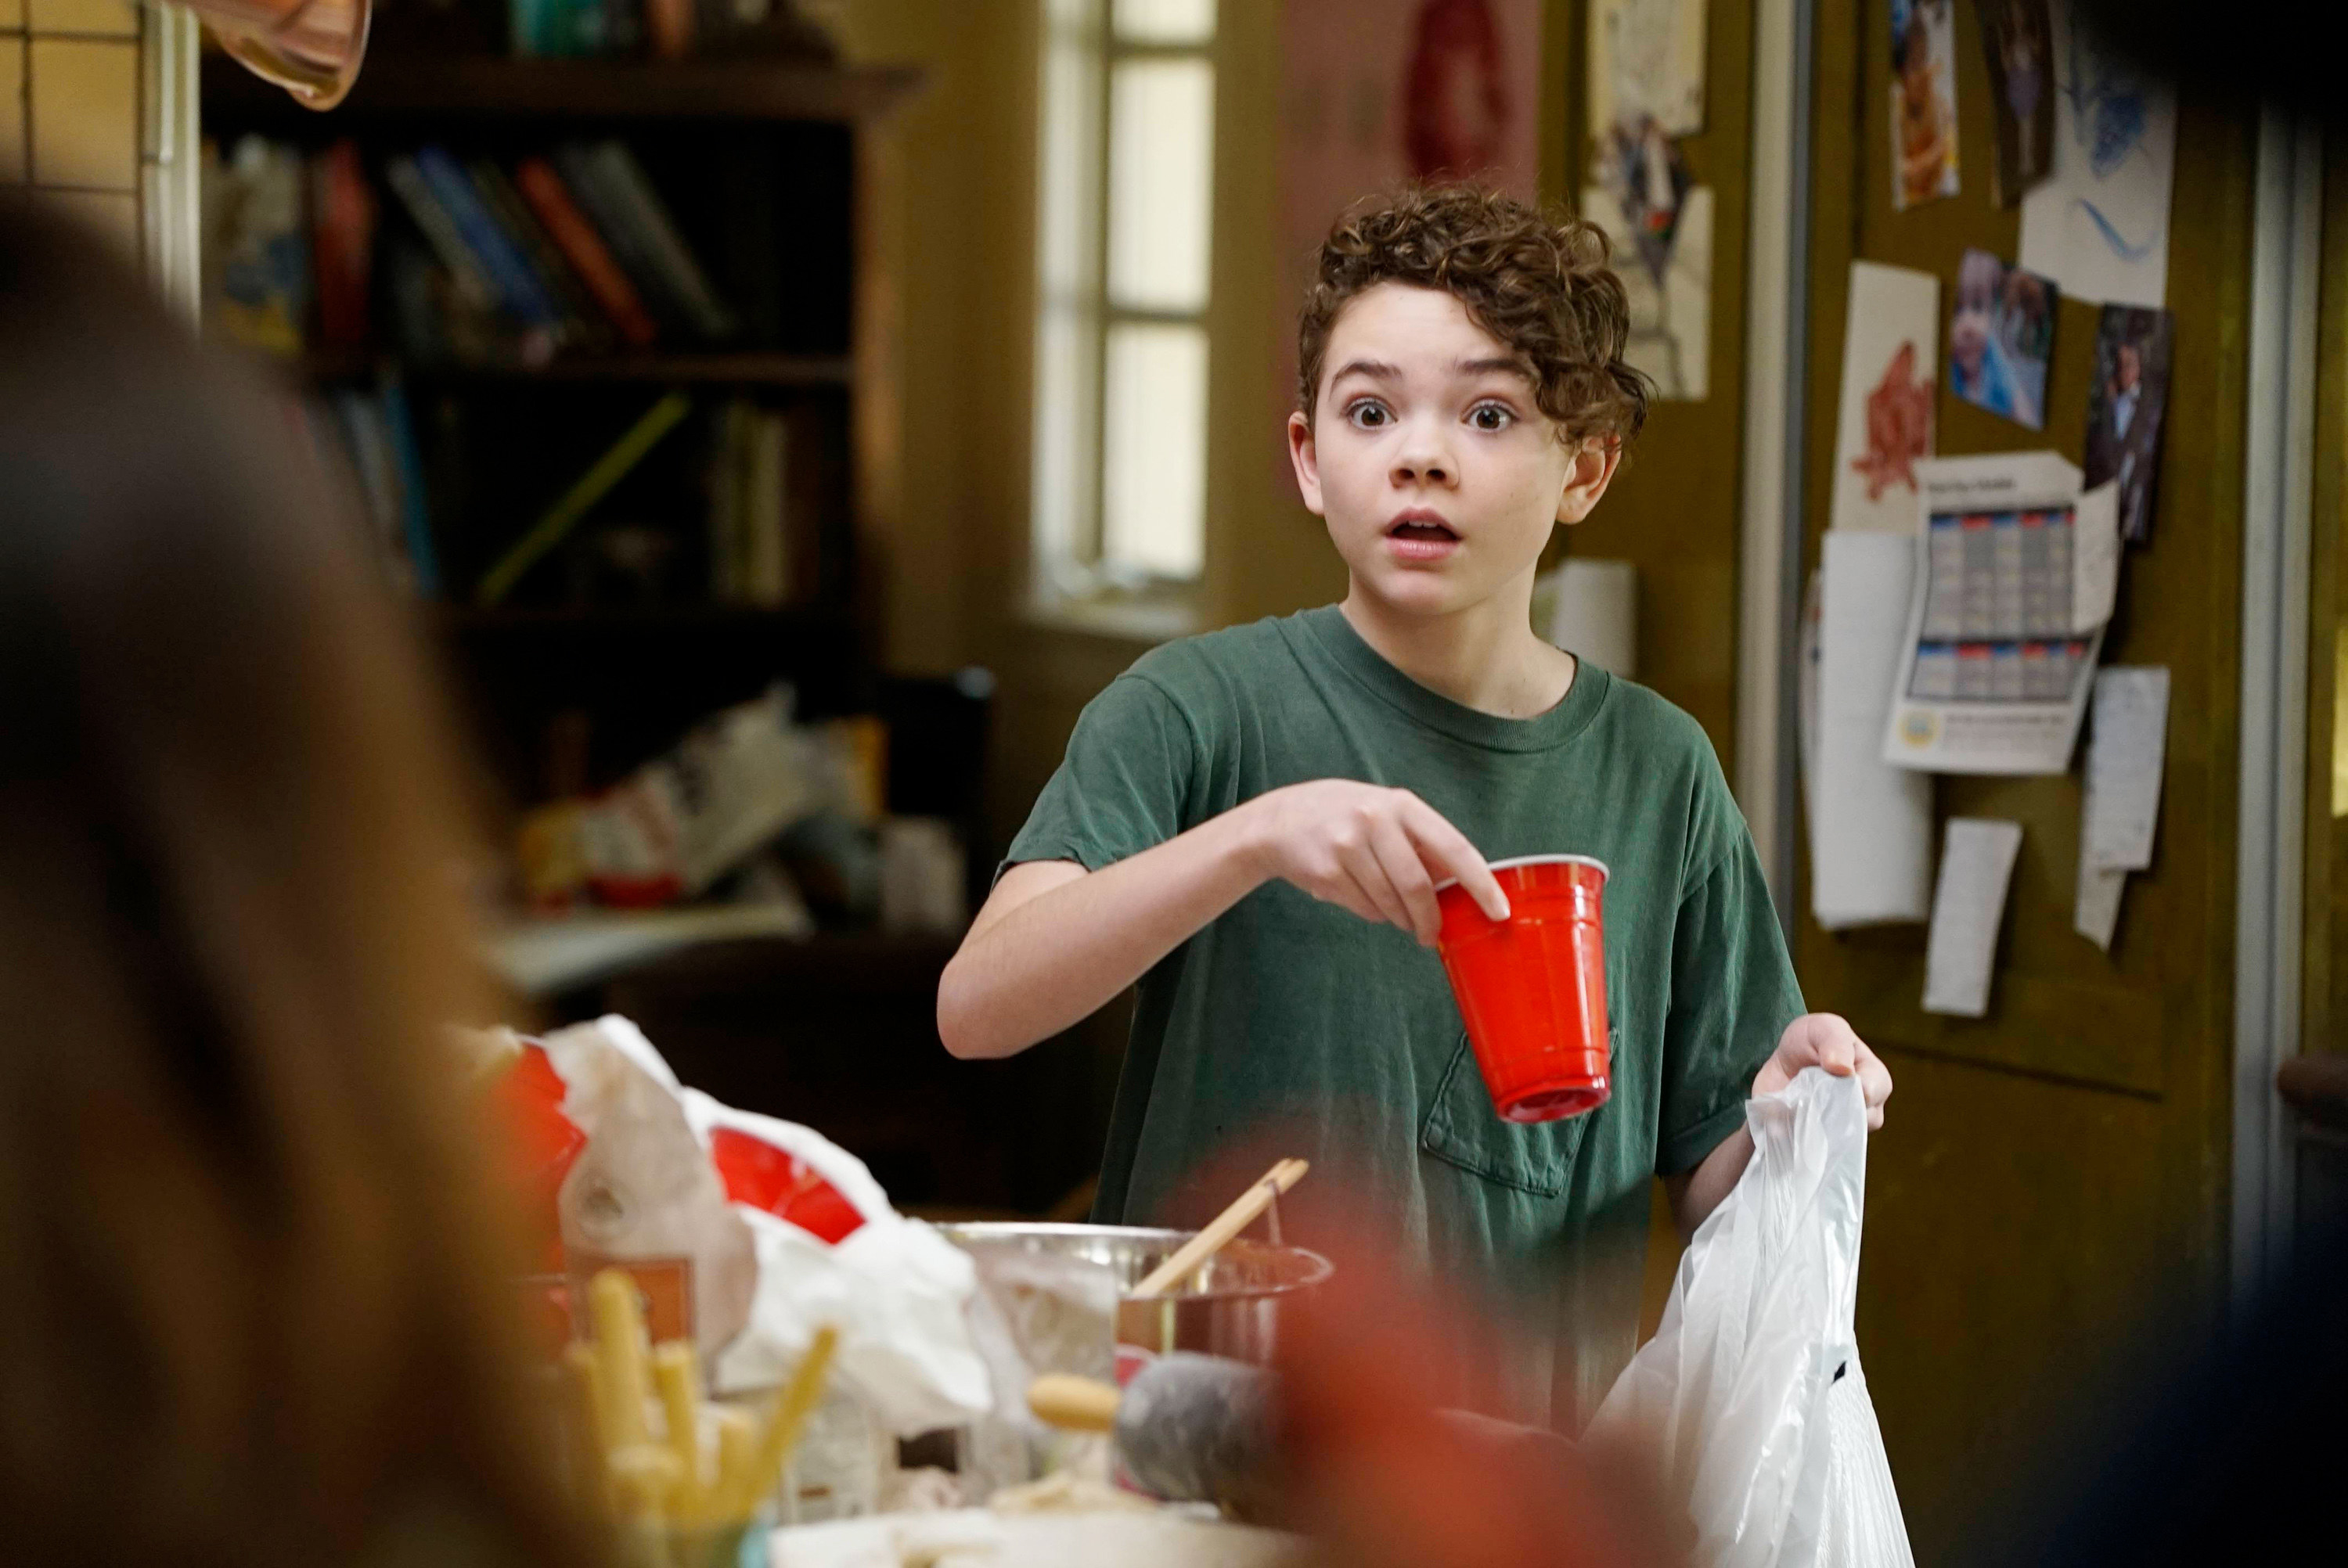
x=2095 y=915
x=1871 y=822
x=1968 y=907
x=2124 y=751
x=2099 y=224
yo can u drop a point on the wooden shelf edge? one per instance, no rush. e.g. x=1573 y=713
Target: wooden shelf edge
x=472 y=618
x=718 y=368
x=492 y=86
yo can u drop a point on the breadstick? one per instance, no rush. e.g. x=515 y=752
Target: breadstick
x=645 y=1476
x=677 y=1371
x=592 y=1440
x=619 y=1346
x=793 y=1404
x=737 y=1437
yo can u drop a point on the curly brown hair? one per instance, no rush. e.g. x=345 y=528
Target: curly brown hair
x=1539 y=284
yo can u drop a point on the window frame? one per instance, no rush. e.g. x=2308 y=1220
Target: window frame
x=1069 y=563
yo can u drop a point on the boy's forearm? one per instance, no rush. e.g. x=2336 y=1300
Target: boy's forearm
x=1699 y=1191
x=1049 y=962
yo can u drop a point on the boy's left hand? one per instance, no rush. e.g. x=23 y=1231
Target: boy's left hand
x=1823 y=1039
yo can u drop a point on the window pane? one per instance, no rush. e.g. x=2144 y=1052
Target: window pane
x=1154 y=463
x=1165 y=21
x=1161 y=156
x=1063 y=473
x=1068 y=215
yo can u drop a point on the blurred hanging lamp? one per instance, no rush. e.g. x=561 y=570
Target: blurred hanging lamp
x=312 y=48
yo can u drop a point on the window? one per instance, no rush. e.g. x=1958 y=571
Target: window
x=1127 y=187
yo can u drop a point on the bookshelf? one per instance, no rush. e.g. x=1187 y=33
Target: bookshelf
x=408 y=87
x=781 y=180
x=734 y=369
x=774 y=177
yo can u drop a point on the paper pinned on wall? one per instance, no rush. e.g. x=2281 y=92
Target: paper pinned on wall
x=1994 y=670
x=1594 y=613
x=2121 y=808
x=1968 y=909
x=2099 y=224
x=1805 y=691
x=1871 y=822
x=1646 y=63
x=2096 y=914
x=1664 y=260
x=1890 y=344
x=2095 y=559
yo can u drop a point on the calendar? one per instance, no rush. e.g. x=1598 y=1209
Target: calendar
x=2015 y=575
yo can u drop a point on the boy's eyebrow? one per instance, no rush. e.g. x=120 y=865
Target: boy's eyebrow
x=1379 y=370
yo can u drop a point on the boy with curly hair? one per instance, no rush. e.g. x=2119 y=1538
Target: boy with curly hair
x=1251 y=823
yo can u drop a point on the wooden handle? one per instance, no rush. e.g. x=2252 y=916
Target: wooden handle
x=1077 y=1404
x=1227 y=1225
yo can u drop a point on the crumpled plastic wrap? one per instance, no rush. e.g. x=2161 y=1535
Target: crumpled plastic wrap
x=643 y=1187
x=895 y=1288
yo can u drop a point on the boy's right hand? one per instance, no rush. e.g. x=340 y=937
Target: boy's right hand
x=1376 y=852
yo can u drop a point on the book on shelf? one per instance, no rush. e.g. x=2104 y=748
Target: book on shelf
x=499 y=254
x=755 y=548
x=257 y=245
x=369 y=439
x=584 y=249
x=613 y=187
x=557 y=521
x=415 y=504
x=583 y=327
x=438 y=227
x=343 y=216
x=572 y=29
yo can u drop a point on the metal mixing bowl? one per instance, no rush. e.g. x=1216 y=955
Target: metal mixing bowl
x=1230 y=1308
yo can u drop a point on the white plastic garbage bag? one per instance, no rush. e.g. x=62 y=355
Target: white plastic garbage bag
x=1751 y=1391
x=896 y=1290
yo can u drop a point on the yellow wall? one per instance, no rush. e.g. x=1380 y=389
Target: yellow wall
x=70 y=95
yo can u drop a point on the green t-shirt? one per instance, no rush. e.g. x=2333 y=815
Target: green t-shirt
x=1292 y=1015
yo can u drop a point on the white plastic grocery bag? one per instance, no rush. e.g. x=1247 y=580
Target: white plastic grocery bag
x=1751 y=1388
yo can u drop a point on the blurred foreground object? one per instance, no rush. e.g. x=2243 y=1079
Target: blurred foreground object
x=1380 y=1474
x=312 y=48
x=257 y=1295
x=1750 y=1394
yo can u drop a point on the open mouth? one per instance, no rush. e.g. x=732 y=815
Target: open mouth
x=1422 y=530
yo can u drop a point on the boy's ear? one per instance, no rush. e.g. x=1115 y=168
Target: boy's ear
x=1586 y=481
x=1305 y=460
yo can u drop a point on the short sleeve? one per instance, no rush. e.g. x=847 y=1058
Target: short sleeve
x=1121 y=788
x=1733 y=994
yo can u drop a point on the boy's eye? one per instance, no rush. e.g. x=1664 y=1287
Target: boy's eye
x=1367 y=413
x=1491 y=417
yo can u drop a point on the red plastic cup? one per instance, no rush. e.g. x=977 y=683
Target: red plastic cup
x=1532 y=987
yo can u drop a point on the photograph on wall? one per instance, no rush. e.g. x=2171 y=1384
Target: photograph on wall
x=2016 y=570
x=1891 y=332
x=2017 y=42
x=2098 y=223
x=1659 y=222
x=1924 y=102
x=1376 y=93
x=2126 y=407
x=1646 y=63
x=2000 y=336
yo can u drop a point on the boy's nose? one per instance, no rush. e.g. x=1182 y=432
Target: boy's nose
x=1425 y=462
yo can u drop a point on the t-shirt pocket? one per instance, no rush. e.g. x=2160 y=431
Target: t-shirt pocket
x=1462 y=1129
